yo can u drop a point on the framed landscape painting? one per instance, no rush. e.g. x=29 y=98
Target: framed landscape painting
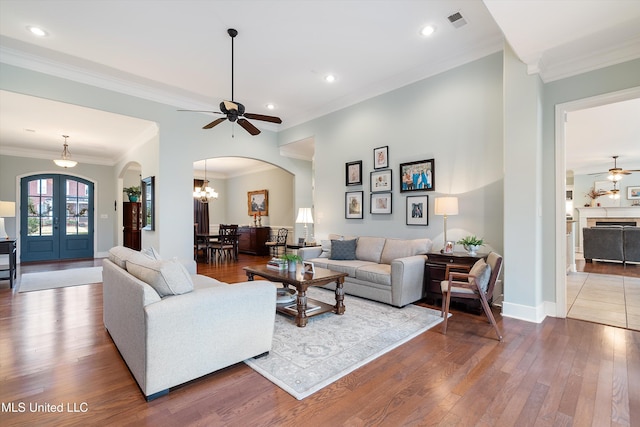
x=633 y=193
x=417 y=210
x=418 y=176
x=353 y=205
x=258 y=202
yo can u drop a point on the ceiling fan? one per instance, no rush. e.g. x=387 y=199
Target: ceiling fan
x=616 y=173
x=235 y=111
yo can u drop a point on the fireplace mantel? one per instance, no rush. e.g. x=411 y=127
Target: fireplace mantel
x=629 y=213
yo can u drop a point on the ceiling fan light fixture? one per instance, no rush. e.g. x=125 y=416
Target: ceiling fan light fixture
x=65 y=161
x=614 y=177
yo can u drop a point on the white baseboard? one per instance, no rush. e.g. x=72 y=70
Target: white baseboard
x=524 y=312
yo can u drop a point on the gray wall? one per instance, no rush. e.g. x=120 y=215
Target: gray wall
x=454 y=118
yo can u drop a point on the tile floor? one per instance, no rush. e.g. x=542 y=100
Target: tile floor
x=602 y=298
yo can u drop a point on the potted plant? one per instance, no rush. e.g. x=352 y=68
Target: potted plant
x=471 y=244
x=291 y=260
x=133 y=193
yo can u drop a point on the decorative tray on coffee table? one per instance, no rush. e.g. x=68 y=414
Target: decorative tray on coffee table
x=285 y=296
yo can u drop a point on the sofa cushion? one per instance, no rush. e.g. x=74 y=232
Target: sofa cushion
x=343 y=249
x=119 y=255
x=369 y=248
x=376 y=273
x=348 y=266
x=400 y=248
x=482 y=273
x=167 y=277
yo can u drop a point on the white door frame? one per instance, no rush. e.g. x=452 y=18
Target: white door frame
x=561 y=177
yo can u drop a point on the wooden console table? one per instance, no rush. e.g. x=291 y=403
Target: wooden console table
x=435 y=268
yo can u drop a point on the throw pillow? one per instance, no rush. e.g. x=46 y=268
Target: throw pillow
x=343 y=249
x=326 y=249
x=168 y=277
x=151 y=253
x=482 y=273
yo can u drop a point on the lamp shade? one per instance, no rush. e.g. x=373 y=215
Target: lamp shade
x=446 y=206
x=304 y=216
x=7 y=209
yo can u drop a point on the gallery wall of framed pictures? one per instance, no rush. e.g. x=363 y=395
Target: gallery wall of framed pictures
x=415 y=176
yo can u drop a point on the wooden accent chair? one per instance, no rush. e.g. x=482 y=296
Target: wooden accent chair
x=280 y=240
x=470 y=285
x=227 y=243
x=200 y=245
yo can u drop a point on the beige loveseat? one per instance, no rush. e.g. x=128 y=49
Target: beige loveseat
x=382 y=269
x=185 y=325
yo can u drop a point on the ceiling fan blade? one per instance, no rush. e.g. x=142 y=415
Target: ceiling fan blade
x=201 y=111
x=215 y=123
x=248 y=127
x=262 y=117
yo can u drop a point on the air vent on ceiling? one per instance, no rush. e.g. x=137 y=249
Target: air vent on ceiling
x=457 y=20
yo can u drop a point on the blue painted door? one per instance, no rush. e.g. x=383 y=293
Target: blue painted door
x=56 y=217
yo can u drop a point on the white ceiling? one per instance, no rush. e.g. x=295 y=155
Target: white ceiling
x=178 y=52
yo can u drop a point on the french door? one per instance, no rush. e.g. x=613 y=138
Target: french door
x=56 y=218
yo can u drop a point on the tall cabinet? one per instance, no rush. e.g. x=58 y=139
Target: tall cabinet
x=132 y=225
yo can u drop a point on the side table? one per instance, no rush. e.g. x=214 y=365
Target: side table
x=8 y=247
x=434 y=272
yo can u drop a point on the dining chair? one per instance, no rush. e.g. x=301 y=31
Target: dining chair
x=200 y=245
x=227 y=243
x=278 y=241
x=477 y=284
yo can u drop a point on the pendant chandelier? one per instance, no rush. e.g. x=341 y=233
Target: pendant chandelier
x=615 y=193
x=65 y=161
x=204 y=193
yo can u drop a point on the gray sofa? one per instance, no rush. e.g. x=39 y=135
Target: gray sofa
x=611 y=242
x=382 y=269
x=171 y=325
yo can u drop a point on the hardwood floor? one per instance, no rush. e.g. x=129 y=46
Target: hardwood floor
x=54 y=351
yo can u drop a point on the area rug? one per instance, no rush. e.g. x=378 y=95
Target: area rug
x=304 y=360
x=59 y=279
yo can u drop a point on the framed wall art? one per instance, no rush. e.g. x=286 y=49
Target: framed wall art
x=353 y=173
x=380 y=203
x=258 y=202
x=417 y=210
x=418 y=176
x=381 y=157
x=633 y=193
x=381 y=181
x=353 y=205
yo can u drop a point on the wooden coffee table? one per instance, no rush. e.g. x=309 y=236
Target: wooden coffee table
x=301 y=281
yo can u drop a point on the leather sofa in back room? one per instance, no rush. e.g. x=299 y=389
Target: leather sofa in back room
x=611 y=242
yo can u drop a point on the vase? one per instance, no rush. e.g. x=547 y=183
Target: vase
x=133 y=198
x=292 y=265
x=472 y=249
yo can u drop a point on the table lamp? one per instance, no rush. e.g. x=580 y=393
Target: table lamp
x=446 y=206
x=304 y=216
x=7 y=210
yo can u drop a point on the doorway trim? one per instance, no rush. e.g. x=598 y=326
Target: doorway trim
x=561 y=177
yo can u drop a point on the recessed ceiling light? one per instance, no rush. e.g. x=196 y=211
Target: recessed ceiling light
x=37 y=31
x=427 y=30
x=330 y=78
x=270 y=106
